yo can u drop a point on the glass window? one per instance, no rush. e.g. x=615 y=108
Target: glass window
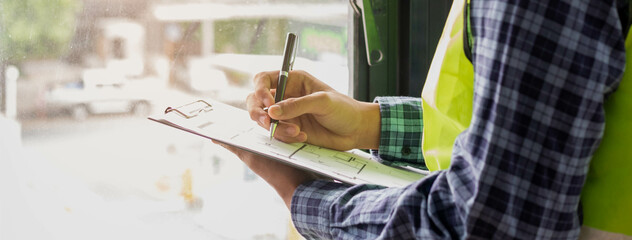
x=78 y=157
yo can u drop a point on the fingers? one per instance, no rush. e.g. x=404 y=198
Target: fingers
x=255 y=109
x=316 y=103
x=287 y=131
x=299 y=83
x=290 y=133
x=264 y=81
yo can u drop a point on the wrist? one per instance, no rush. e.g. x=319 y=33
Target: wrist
x=369 y=134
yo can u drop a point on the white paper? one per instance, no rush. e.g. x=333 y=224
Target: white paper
x=234 y=127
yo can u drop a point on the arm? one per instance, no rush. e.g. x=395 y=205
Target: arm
x=517 y=172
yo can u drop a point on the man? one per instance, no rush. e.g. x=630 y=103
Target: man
x=542 y=70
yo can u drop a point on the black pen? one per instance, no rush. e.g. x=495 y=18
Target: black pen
x=289 y=54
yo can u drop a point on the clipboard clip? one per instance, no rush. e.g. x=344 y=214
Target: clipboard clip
x=190 y=110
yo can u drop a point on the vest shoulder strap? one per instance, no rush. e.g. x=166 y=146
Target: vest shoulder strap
x=468 y=39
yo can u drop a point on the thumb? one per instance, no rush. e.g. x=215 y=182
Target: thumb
x=315 y=103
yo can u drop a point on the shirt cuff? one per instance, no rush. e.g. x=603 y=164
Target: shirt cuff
x=401 y=132
x=310 y=207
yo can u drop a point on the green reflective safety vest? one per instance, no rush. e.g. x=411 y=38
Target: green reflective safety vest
x=447 y=100
x=447 y=94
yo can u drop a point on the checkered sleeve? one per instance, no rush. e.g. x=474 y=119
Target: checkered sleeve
x=401 y=130
x=542 y=72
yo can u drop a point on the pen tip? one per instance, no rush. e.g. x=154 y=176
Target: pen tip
x=272 y=130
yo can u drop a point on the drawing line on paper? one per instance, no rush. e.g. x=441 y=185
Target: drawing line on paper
x=240 y=133
x=344 y=157
x=206 y=124
x=332 y=158
x=361 y=168
x=320 y=155
x=299 y=149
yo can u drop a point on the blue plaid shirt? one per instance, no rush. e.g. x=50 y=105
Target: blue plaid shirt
x=542 y=72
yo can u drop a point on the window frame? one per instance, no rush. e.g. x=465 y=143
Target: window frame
x=409 y=31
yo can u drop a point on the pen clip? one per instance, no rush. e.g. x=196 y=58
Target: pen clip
x=294 y=54
x=289 y=52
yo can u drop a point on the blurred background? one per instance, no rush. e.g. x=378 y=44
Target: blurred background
x=78 y=78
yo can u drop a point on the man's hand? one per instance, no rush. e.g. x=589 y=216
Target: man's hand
x=312 y=112
x=315 y=113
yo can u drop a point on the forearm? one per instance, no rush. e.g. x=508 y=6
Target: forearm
x=329 y=210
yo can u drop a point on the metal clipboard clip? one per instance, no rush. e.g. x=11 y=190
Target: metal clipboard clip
x=191 y=110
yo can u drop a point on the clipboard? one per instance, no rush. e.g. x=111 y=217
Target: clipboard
x=230 y=125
